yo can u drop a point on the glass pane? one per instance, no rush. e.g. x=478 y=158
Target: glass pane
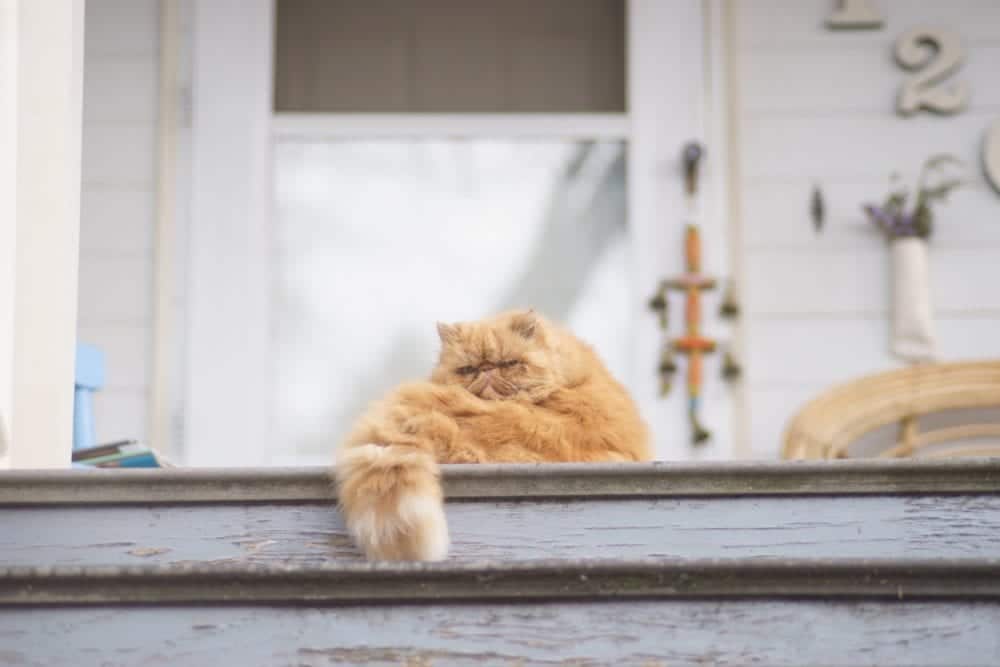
x=450 y=56
x=377 y=240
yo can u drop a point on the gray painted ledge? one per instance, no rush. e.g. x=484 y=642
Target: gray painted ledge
x=875 y=510
x=743 y=527
x=647 y=633
x=832 y=563
x=565 y=579
x=486 y=482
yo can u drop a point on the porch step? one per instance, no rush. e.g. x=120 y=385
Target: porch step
x=648 y=633
x=376 y=584
x=778 y=564
x=514 y=513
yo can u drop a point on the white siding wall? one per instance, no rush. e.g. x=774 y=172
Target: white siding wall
x=119 y=205
x=817 y=106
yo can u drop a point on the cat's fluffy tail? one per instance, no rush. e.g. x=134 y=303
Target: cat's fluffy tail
x=392 y=501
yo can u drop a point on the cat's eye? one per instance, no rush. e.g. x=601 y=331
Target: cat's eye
x=508 y=364
x=466 y=370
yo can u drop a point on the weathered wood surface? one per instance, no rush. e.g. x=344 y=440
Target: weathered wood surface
x=463 y=482
x=375 y=584
x=741 y=527
x=652 y=633
x=703 y=564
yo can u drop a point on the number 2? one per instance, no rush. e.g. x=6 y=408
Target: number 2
x=937 y=54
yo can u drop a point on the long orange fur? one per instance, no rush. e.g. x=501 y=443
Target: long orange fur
x=511 y=389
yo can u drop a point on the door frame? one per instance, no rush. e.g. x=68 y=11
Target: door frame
x=227 y=346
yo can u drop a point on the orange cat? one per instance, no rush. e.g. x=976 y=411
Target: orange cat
x=511 y=389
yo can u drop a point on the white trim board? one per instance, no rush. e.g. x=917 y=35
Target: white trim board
x=227 y=355
x=670 y=105
x=165 y=350
x=8 y=216
x=312 y=126
x=38 y=333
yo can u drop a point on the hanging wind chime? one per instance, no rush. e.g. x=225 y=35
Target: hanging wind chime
x=692 y=283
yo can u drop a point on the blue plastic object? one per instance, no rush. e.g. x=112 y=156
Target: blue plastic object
x=89 y=378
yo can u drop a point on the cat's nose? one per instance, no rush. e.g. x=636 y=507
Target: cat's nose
x=487 y=367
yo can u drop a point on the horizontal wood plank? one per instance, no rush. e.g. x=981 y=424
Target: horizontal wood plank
x=116 y=291
x=862 y=78
x=776 y=217
x=650 y=633
x=124 y=29
x=815 y=352
x=127 y=352
x=120 y=155
x=800 y=24
x=312 y=127
x=395 y=583
x=116 y=222
x=901 y=527
x=524 y=482
x=120 y=90
x=857 y=281
x=121 y=414
x=855 y=146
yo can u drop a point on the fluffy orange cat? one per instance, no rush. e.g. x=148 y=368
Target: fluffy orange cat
x=511 y=389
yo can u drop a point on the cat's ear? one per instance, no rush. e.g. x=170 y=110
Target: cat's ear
x=524 y=324
x=448 y=333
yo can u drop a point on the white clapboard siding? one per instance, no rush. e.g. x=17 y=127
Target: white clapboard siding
x=118 y=205
x=786 y=352
x=861 y=78
x=122 y=29
x=115 y=290
x=127 y=352
x=121 y=414
x=120 y=91
x=772 y=408
x=116 y=221
x=797 y=25
x=856 y=146
x=119 y=155
x=778 y=216
x=817 y=108
x=855 y=281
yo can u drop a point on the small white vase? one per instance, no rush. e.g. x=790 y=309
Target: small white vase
x=912 y=321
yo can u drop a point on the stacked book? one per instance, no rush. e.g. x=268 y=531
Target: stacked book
x=123 y=454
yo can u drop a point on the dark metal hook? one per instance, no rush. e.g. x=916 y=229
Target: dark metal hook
x=692 y=155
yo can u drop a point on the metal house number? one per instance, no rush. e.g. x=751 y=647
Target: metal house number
x=854 y=15
x=935 y=55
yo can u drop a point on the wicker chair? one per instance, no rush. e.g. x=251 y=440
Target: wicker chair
x=831 y=425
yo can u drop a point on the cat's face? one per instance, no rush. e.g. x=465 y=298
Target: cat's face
x=508 y=357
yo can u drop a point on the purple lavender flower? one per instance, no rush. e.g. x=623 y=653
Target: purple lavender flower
x=895 y=224
x=882 y=219
x=892 y=217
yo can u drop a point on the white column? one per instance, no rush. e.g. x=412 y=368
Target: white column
x=41 y=76
x=228 y=353
x=8 y=208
